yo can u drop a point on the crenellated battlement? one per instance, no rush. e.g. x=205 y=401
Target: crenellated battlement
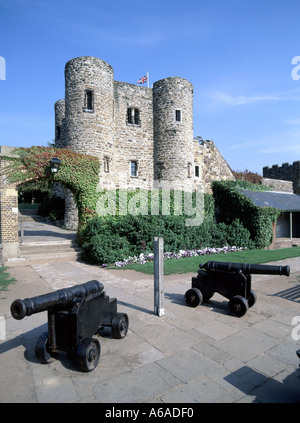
x=285 y=172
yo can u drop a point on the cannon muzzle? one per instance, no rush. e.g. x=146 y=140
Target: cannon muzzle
x=247 y=269
x=58 y=299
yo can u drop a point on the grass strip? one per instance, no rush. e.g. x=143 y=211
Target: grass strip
x=191 y=264
x=5 y=279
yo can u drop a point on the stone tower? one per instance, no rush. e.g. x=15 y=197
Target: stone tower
x=89 y=106
x=173 y=132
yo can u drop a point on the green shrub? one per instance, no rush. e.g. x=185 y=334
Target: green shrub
x=106 y=249
x=232 y=204
x=110 y=239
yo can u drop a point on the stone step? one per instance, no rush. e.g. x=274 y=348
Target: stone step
x=47 y=247
x=45 y=252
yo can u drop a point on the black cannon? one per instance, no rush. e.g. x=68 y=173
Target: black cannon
x=75 y=315
x=232 y=280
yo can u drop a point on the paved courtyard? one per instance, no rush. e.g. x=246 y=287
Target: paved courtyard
x=189 y=355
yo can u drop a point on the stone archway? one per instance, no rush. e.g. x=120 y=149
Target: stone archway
x=79 y=173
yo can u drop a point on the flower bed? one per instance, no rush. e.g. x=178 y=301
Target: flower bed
x=142 y=258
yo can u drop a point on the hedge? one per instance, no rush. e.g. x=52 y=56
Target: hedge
x=110 y=239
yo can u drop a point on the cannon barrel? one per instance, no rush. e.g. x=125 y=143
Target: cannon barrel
x=63 y=297
x=247 y=269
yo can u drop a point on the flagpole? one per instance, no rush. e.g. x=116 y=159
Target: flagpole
x=148 y=78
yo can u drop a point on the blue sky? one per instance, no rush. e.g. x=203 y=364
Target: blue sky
x=236 y=53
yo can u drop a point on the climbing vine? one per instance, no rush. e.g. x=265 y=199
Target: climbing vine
x=232 y=204
x=78 y=172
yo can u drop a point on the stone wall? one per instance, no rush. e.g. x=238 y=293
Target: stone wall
x=132 y=141
x=278 y=185
x=212 y=166
x=285 y=172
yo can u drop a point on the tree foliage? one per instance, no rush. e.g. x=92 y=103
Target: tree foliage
x=247 y=175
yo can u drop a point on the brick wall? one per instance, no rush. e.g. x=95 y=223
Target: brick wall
x=8 y=213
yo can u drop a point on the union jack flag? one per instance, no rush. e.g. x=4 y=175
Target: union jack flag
x=143 y=80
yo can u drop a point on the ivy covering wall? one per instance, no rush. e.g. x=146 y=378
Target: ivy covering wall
x=78 y=172
x=232 y=204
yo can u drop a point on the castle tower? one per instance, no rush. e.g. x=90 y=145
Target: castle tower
x=173 y=133
x=89 y=106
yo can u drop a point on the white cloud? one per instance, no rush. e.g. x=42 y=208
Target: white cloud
x=219 y=99
x=292 y=122
x=240 y=100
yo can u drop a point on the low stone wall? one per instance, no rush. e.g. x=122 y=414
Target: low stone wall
x=285 y=172
x=278 y=185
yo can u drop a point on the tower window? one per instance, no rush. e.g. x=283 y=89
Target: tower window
x=178 y=115
x=106 y=164
x=197 y=172
x=58 y=132
x=133 y=169
x=133 y=116
x=89 y=100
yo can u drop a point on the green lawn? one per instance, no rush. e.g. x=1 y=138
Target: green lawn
x=191 y=264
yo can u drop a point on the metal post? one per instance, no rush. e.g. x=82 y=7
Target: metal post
x=159 y=276
x=291 y=226
x=22 y=231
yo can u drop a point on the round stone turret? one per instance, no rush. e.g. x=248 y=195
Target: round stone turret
x=89 y=106
x=173 y=132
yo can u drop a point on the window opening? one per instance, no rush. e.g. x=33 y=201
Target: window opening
x=133 y=116
x=106 y=164
x=89 y=100
x=197 y=172
x=178 y=115
x=133 y=169
x=58 y=132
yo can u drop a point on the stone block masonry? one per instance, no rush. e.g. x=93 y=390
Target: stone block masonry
x=142 y=136
x=285 y=172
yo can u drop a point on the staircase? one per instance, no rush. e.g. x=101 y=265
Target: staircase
x=43 y=250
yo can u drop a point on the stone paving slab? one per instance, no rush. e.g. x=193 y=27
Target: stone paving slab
x=186 y=356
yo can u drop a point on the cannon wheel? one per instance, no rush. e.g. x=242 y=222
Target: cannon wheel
x=120 y=325
x=42 y=349
x=252 y=299
x=193 y=297
x=238 y=306
x=88 y=354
